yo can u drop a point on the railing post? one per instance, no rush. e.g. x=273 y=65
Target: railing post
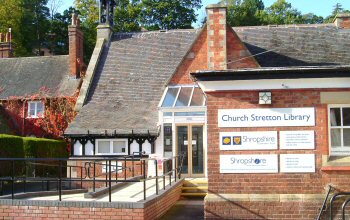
x=94 y=178
x=60 y=180
x=70 y=177
x=106 y=173
x=13 y=180
x=163 y=177
x=116 y=171
x=124 y=168
x=344 y=206
x=48 y=182
x=175 y=167
x=144 y=180
x=81 y=177
x=1 y=188
x=25 y=177
x=110 y=181
x=133 y=168
x=156 y=161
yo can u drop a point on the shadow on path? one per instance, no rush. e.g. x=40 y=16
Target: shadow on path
x=186 y=209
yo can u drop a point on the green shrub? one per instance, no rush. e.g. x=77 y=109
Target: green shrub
x=11 y=146
x=27 y=147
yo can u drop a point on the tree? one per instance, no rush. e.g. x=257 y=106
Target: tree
x=126 y=16
x=337 y=8
x=311 y=18
x=281 y=12
x=168 y=14
x=89 y=14
x=11 y=15
x=53 y=6
x=244 y=12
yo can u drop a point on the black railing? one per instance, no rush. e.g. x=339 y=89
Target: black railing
x=334 y=197
x=346 y=202
x=87 y=172
x=323 y=208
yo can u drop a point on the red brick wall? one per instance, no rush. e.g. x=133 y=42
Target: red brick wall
x=196 y=60
x=312 y=183
x=152 y=211
x=236 y=51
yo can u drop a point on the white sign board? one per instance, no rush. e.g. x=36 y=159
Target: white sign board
x=295 y=140
x=254 y=163
x=266 y=117
x=297 y=163
x=264 y=140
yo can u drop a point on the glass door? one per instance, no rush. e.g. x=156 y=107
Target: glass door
x=190 y=142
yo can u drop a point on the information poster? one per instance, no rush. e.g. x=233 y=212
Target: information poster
x=297 y=163
x=295 y=140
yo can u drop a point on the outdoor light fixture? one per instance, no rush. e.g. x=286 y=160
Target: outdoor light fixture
x=265 y=98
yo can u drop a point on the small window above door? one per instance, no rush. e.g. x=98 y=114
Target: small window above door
x=183 y=96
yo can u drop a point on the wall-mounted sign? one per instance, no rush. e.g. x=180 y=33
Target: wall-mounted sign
x=254 y=163
x=264 y=140
x=295 y=140
x=266 y=117
x=297 y=163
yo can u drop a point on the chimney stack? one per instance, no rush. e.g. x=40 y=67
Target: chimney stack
x=342 y=20
x=76 y=40
x=216 y=33
x=6 y=45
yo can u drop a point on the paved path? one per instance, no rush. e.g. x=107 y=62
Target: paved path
x=186 y=210
x=130 y=193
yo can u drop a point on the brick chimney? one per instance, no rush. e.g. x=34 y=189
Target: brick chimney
x=216 y=31
x=76 y=39
x=342 y=21
x=6 y=45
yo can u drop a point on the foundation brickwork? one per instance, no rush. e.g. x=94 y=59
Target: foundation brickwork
x=150 y=210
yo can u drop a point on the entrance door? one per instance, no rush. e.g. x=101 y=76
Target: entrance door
x=190 y=142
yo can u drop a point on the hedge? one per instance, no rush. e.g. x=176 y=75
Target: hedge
x=28 y=147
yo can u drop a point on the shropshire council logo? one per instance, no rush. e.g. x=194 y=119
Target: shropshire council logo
x=226 y=140
x=237 y=140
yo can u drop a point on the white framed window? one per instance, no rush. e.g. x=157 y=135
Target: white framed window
x=339 y=129
x=111 y=147
x=35 y=109
x=182 y=96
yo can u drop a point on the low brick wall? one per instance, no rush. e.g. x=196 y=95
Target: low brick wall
x=153 y=208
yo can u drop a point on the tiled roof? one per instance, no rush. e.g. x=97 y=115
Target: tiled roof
x=129 y=82
x=297 y=45
x=27 y=76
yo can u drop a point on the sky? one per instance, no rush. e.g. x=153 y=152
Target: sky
x=318 y=7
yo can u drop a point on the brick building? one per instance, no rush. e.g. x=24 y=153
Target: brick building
x=261 y=111
x=38 y=94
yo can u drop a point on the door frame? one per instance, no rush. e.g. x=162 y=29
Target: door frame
x=189 y=148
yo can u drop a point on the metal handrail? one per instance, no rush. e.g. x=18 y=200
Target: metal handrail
x=335 y=196
x=346 y=202
x=87 y=178
x=331 y=188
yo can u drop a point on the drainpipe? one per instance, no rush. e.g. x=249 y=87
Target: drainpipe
x=24 y=117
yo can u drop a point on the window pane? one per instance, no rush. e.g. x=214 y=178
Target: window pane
x=168 y=138
x=40 y=109
x=346 y=137
x=170 y=97
x=197 y=98
x=167 y=114
x=32 y=105
x=346 y=116
x=119 y=147
x=335 y=116
x=184 y=96
x=189 y=113
x=32 y=113
x=335 y=137
x=103 y=147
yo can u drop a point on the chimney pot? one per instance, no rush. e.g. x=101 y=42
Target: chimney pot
x=342 y=20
